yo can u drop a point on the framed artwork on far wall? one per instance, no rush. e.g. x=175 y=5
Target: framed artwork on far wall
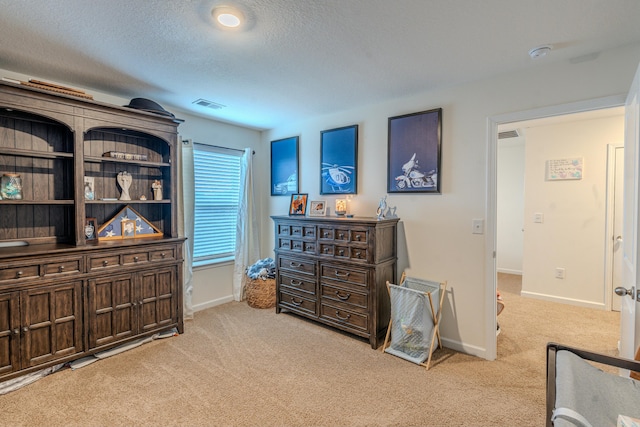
x=298 y=205
x=284 y=166
x=414 y=152
x=339 y=160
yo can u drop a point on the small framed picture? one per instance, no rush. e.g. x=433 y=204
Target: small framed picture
x=298 y=204
x=90 y=228
x=89 y=188
x=317 y=208
x=128 y=228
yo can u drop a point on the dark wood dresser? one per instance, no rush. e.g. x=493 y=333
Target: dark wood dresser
x=334 y=271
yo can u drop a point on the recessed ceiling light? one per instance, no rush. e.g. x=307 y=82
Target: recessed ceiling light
x=228 y=16
x=540 y=51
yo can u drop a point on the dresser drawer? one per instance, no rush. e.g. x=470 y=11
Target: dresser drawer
x=341 y=235
x=295 y=284
x=104 y=261
x=67 y=265
x=297 y=265
x=345 y=297
x=135 y=258
x=345 y=317
x=163 y=254
x=347 y=275
x=342 y=252
x=284 y=244
x=297 y=303
x=21 y=272
x=360 y=236
x=309 y=231
x=359 y=254
x=326 y=249
x=325 y=233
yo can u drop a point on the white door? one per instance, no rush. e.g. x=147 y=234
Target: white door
x=629 y=324
x=616 y=239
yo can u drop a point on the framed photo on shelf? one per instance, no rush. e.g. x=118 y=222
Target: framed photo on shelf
x=89 y=188
x=339 y=160
x=90 y=229
x=298 y=205
x=128 y=228
x=414 y=152
x=284 y=166
x=317 y=208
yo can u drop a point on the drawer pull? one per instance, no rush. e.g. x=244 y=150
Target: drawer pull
x=342 y=318
x=25 y=329
x=19 y=274
x=325 y=234
x=295 y=264
x=310 y=233
x=105 y=263
x=326 y=250
x=343 y=297
x=358 y=237
x=163 y=255
x=295 y=282
x=357 y=254
x=297 y=246
x=16 y=331
x=340 y=274
x=311 y=248
x=341 y=252
x=341 y=235
x=294 y=302
x=135 y=259
x=61 y=268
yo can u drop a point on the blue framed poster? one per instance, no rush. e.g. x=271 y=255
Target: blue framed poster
x=414 y=152
x=284 y=166
x=339 y=160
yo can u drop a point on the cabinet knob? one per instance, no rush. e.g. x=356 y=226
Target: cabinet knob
x=61 y=268
x=358 y=237
x=135 y=259
x=341 y=235
x=25 y=329
x=357 y=254
x=163 y=255
x=325 y=234
x=16 y=331
x=105 y=263
x=341 y=252
x=19 y=274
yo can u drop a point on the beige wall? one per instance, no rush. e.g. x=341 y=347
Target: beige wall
x=436 y=239
x=572 y=234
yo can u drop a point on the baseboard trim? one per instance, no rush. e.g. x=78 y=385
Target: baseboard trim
x=508 y=271
x=562 y=300
x=461 y=347
x=212 y=303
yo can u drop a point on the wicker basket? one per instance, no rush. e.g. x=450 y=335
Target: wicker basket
x=261 y=293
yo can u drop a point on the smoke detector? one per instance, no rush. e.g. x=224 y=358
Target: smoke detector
x=540 y=51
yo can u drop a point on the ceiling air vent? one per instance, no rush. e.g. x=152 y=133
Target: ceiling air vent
x=208 y=104
x=508 y=134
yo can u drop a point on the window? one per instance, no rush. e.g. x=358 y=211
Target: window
x=217 y=192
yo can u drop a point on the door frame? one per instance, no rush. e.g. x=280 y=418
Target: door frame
x=609 y=233
x=491 y=208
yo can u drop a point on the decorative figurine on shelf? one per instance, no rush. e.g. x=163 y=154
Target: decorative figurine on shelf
x=124 y=180
x=157 y=190
x=382 y=207
x=11 y=187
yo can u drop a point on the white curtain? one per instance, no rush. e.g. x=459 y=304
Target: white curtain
x=247 y=232
x=186 y=206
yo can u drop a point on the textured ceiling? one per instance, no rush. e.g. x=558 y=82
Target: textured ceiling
x=296 y=58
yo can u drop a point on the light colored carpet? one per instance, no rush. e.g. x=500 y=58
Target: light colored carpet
x=238 y=366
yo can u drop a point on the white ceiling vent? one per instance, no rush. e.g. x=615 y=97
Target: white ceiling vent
x=508 y=134
x=208 y=104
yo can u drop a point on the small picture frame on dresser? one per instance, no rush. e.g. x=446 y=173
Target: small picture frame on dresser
x=90 y=228
x=298 y=205
x=317 y=207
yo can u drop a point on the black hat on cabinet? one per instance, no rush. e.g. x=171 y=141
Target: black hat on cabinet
x=148 y=105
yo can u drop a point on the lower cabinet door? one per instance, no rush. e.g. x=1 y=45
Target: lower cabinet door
x=51 y=322
x=112 y=309
x=9 y=332
x=158 y=299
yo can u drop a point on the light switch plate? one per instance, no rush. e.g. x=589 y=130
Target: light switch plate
x=477 y=226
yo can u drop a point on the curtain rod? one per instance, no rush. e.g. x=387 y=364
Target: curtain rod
x=224 y=148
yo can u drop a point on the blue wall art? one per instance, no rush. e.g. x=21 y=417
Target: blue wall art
x=339 y=160
x=284 y=166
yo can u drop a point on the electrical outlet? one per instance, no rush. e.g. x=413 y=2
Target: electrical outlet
x=559 y=273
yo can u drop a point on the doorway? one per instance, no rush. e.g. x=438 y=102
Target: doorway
x=528 y=120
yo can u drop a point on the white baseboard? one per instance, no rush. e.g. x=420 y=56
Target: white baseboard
x=562 y=300
x=508 y=271
x=471 y=350
x=212 y=303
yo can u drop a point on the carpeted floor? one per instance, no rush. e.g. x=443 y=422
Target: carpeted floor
x=238 y=366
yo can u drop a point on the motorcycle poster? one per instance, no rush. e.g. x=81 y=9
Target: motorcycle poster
x=339 y=160
x=414 y=152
